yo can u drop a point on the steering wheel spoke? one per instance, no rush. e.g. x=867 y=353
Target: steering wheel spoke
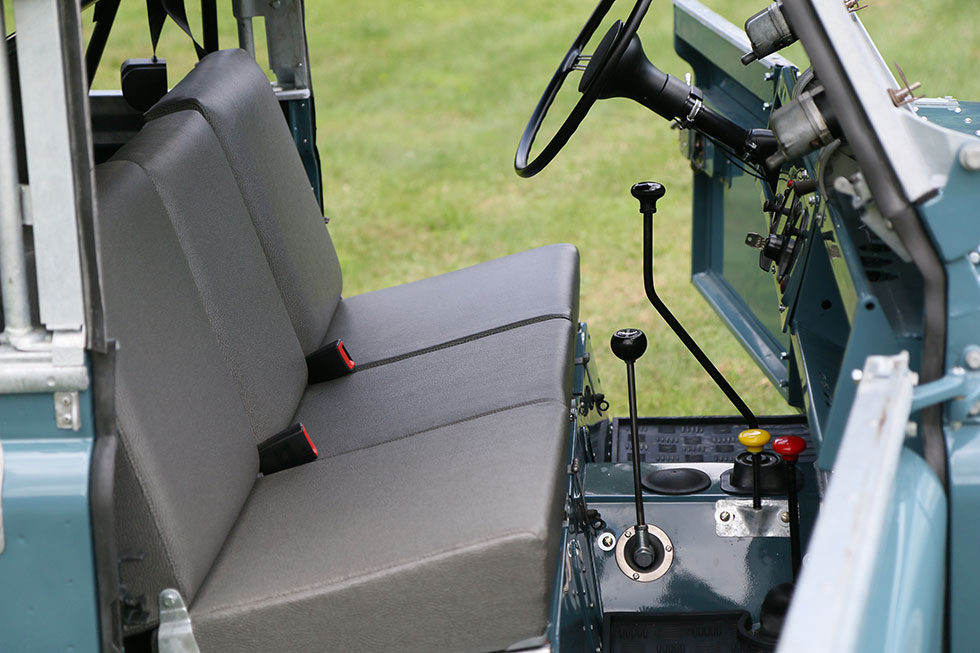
x=598 y=64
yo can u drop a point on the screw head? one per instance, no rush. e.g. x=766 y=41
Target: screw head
x=725 y=516
x=784 y=517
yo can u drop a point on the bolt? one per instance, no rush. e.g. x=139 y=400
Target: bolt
x=784 y=517
x=725 y=515
x=974 y=257
x=782 y=308
x=857 y=375
x=972 y=356
x=766 y=106
x=783 y=355
x=889 y=224
x=970 y=156
x=812 y=200
x=66 y=401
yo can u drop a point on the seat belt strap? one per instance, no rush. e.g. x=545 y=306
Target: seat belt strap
x=157 y=12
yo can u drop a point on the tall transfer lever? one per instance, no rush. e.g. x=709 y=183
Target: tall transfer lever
x=648 y=192
x=628 y=345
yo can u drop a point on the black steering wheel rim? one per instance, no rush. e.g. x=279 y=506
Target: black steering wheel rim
x=522 y=166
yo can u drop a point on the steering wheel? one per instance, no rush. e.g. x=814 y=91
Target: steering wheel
x=596 y=73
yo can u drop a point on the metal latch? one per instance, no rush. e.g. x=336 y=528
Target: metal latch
x=175 y=634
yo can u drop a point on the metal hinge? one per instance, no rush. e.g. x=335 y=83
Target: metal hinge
x=175 y=634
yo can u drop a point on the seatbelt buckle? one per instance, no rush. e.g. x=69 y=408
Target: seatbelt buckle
x=290 y=447
x=329 y=362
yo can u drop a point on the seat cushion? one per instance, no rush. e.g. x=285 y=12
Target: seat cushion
x=390 y=324
x=413 y=545
x=521 y=366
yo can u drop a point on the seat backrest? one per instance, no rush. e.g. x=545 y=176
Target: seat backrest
x=209 y=363
x=186 y=462
x=182 y=157
x=233 y=94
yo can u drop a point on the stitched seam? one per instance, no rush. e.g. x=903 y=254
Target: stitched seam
x=533 y=402
x=464 y=340
x=269 y=599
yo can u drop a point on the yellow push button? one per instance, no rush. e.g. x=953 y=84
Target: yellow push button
x=754 y=439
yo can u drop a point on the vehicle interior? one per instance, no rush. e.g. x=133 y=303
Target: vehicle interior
x=262 y=462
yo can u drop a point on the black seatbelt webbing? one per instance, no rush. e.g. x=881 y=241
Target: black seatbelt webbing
x=157 y=12
x=103 y=17
x=209 y=24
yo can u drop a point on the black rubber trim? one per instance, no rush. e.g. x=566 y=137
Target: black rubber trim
x=101 y=484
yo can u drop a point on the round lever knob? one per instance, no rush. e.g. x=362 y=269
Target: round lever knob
x=754 y=439
x=628 y=344
x=648 y=192
x=789 y=447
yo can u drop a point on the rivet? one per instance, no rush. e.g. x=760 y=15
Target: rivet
x=857 y=375
x=784 y=517
x=974 y=257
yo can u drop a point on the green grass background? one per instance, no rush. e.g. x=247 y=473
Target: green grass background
x=420 y=106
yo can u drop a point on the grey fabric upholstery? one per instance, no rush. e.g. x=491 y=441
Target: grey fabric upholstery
x=235 y=97
x=389 y=324
x=181 y=155
x=512 y=368
x=431 y=520
x=187 y=461
x=446 y=541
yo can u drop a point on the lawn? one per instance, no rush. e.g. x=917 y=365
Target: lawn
x=420 y=106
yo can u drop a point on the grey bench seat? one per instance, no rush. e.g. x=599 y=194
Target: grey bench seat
x=444 y=541
x=233 y=94
x=470 y=439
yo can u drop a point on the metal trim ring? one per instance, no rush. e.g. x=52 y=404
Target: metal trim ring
x=656 y=572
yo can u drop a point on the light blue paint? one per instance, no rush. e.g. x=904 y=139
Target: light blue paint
x=905 y=609
x=49 y=602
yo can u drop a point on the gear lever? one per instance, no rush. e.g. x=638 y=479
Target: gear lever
x=648 y=192
x=628 y=345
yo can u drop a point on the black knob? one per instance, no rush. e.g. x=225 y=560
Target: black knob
x=648 y=192
x=628 y=344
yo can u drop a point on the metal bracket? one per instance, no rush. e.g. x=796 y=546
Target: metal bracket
x=67 y=412
x=175 y=634
x=737 y=518
x=959 y=387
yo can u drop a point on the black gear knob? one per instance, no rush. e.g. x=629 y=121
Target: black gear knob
x=628 y=344
x=648 y=192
